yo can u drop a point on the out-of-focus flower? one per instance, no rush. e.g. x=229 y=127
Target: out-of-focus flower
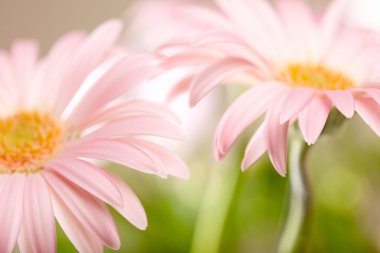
x=297 y=64
x=59 y=115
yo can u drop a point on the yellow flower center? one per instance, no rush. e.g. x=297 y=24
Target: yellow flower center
x=27 y=140
x=315 y=76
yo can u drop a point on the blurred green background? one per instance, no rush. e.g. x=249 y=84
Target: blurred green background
x=245 y=209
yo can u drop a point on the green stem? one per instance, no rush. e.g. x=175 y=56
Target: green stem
x=294 y=234
x=215 y=205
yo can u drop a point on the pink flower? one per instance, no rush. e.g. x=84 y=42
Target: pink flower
x=58 y=115
x=296 y=65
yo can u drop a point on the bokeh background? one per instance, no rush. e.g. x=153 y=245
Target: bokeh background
x=244 y=211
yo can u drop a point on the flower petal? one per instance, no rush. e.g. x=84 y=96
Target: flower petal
x=369 y=111
x=93 y=214
x=124 y=74
x=276 y=136
x=313 y=118
x=343 y=101
x=118 y=151
x=82 y=238
x=87 y=176
x=12 y=193
x=256 y=148
x=38 y=218
x=132 y=209
x=138 y=125
x=216 y=73
x=246 y=109
x=91 y=52
x=295 y=101
x=173 y=164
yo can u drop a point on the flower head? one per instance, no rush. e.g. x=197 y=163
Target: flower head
x=296 y=64
x=59 y=115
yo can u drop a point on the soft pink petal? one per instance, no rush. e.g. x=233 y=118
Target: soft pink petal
x=132 y=209
x=343 y=101
x=369 y=111
x=23 y=243
x=56 y=62
x=300 y=26
x=92 y=213
x=374 y=93
x=190 y=56
x=254 y=22
x=173 y=164
x=276 y=136
x=246 y=109
x=126 y=73
x=89 y=177
x=23 y=59
x=331 y=22
x=12 y=196
x=123 y=109
x=139 y=125
x=122 y=152
x=180 y=88
x=313 y=118
x=38 y=218
x=84 y=240
x=294 y=102
x=256 y=148
x=91 y=52
x=215 y=74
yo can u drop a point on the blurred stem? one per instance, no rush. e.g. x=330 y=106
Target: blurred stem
x=294 y=233
x=219 y=194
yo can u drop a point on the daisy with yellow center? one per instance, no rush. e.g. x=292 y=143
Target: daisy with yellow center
x=297 y=65
x=61 y=113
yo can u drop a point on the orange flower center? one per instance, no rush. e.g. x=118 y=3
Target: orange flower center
x=315 y=76
x=27 y=140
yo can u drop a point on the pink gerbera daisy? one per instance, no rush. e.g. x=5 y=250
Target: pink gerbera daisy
x=59 y=116
x=297 y=65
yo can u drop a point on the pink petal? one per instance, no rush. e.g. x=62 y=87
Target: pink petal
x=343 y=101
x=313 y=119
x=23 y=243
x=295 y=101
x=216 y=73
x=139 y=125
x=38 y=219
x=91 y=52
x=374 y=93
x=118 y=151
x=11 y=210
x=190 y=56
x=246 y=109
x=180 y=88
x=126 y=73
x=369 y=111
x=173 y=164
x=128 y=108
x=89 y=177
x=256 y=148
x=256 y=23
x=332 y=21
x=56 y=62
x=132 y=209
x=300 y=27
x=276 y=136
x=23 y=59
x=92 y=213
x=82 y=238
